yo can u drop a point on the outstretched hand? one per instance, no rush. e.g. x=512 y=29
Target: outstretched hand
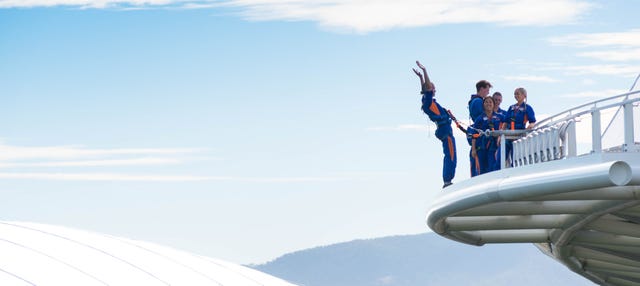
x=421 y=66
x=424 y=82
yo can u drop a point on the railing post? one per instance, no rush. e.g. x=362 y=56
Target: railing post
x=629 y=143
x=572 y=146
x=503 y=146
x=596 y=139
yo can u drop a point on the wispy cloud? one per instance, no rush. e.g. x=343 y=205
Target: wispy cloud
x=531 y=78
x=85 y=3
x=101 y=177
x=27 y=163
x=95 y=163
x=61 y=176
x=26 y=158
x=375 y=15
x=623 y=70
x=613 y=46
x=8 y=152
x=594 y=94
x=619 y=70
x=619 y=55
x=363 y=16
x=402 y=127
x=627 y=39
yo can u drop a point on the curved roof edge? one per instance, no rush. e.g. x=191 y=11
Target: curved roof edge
x=583 y=211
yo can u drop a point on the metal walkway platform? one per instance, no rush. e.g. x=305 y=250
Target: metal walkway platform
x=580 y=208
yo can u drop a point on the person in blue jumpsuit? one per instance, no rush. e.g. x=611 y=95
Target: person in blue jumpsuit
x=442 y=119
x=485 y=146
x=475 y=106
x=497 y=100
x=519 y=116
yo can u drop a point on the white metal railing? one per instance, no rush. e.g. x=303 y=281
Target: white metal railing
x=557 y=137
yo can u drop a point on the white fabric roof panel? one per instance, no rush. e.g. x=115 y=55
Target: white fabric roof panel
x=38 y=254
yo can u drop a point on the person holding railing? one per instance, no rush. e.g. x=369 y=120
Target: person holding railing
x=497 y=100
x=519 y=116
x=484 y=148
x=442 y=119
x=476 y=108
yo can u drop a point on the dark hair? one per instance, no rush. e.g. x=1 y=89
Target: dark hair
x=482 y=84
x=488 y=98
x=497 y=93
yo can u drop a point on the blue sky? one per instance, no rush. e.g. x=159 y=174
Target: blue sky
x=243 y=130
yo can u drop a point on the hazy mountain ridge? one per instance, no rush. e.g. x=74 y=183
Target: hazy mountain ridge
x=422 y=259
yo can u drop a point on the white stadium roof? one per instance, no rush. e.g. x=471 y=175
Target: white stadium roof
x=39 y=254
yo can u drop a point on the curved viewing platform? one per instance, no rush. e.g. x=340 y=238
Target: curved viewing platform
x=573 y=190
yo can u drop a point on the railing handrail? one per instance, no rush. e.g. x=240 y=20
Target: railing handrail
x=552 y=119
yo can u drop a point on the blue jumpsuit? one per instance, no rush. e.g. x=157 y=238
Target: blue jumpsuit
x=475 y=109
x=487 y=145
x=501 y=114
x=441 y=118
x=516 y=118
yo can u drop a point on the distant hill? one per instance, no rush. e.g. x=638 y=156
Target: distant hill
x=423 y=259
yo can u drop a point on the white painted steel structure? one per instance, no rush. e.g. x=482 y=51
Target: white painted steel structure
x=38 y=254
x=573 y=190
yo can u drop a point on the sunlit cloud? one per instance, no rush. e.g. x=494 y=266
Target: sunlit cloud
x=362 y=16
x=531 y=78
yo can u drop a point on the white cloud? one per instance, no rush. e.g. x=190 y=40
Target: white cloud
x=624 y=70
x=627 y=70
x=595 y=94
x=95 y=163
x=627 y=39
x=8 y=152
x=618 y=46
x=385 y=280
x=84 y=3
x=403 y=127
x=531 y=78
x=12 y=157
x=285 y=179
x=102 y=177
x=61 y=157
x=59 y=176
x=364 y=16
x=614 y=55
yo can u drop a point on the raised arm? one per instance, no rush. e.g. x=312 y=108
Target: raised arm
x=422 y=86
x=426 y=84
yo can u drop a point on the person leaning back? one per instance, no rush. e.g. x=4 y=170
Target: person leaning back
x=442 y=119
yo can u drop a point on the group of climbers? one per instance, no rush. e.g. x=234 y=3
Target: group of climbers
x=485 y=114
